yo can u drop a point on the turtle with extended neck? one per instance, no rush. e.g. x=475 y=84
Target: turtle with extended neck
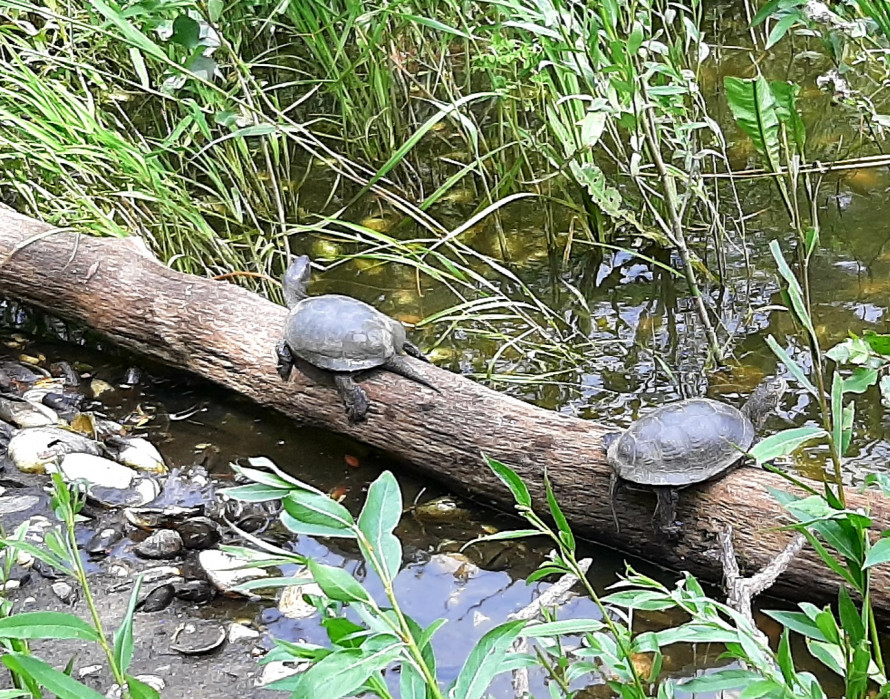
x=686 y=442
x=343 y=336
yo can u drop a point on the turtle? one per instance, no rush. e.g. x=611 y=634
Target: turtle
x=343 y=336
x=686 y=442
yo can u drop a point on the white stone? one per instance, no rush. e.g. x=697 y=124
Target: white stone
x=291 y=603
x=89 y=671
x=20 y=503
x=280 y=669
x=226 y=571
x=142 y=455
x=33 y=449
x=63 y=591
x=96 y=470
x=240 y=632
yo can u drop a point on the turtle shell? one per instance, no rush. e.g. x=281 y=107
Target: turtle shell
x=340 y=333
x=681 y=443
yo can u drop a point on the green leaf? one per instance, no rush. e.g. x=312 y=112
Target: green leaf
x=565 y=532
x=837 y=410
x=795 y=293
x=754 y=108
x=793 y=367
x=338 y=584
x=783 y=443
x=186 y=32
x=511 y=480
x=378 y=518
x=786 y=661
x=781 y=28
x=299 y=527
x=878 y=553
x=829 y=654
x=60 y=684
x=123 y=637
x=140 y=690
x=317 y=510
x=13 y=693
x=851 y=622
x=28 y=625
x=878 y=343
x=486 y=661
x=799 y=622
x=861 y=380
x=559 y=628
x=412 y=684
x=719 y=681
x=786 y=94
x=256 y=492
x=339 y=674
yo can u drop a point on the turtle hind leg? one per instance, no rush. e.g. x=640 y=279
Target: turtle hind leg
x=666 y=511
x=354 y=397
x=614 y=486
x=413 y=350
x=398 y=365
x=285 y=359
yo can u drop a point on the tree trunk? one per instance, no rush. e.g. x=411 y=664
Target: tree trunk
x=227 y=334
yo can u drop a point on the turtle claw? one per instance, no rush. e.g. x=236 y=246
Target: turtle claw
x=285 y=359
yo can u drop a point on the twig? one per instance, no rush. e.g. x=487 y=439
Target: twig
x=555 y=595
x=741 y=591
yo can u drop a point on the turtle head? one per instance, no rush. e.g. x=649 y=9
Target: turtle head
x=296 y=278
x=765 y=399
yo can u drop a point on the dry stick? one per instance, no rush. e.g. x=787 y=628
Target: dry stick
x=741 y=591
x=555 y=595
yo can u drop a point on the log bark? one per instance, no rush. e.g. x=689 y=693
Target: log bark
x=227 y=335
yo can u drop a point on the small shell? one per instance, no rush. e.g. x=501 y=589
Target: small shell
x=198 y=637
x=101 y=543
x=198 y=591
x=163 y=544
x=156 y=600
x=199 y=533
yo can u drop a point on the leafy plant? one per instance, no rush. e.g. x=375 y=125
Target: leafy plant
x=29 y=672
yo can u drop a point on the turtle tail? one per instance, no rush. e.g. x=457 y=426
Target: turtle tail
x=399 y=365
x=414 y=351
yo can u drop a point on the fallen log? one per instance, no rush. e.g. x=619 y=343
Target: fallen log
x=227 y=335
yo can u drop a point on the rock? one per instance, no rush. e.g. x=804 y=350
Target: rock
x=66 y=372
x=25 y=414
x=240 y=632
x=108 y=482
x=32 y=449
x=291 y=603
x=65 y=592
x=151 y=518
x=96 y=470
x=163 y=544
x=152 y=681
x=137 y=453
x=279 y=669
x=226 y=571
x=17 y=503
x=89 y=671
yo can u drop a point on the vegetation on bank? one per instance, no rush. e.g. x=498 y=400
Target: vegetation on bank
x=223 y=133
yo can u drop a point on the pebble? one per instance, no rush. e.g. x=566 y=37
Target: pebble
x=280 y=669
x=138 y=453
x=89 y=671
x=65 y=592
x=17 y=504
x=152 y=681
x=240 y=632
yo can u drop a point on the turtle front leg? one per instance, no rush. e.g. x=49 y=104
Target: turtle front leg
x=666 y=511
x=285 y=359
x=353 y=396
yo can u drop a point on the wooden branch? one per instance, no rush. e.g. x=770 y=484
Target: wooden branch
x=226 y=334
